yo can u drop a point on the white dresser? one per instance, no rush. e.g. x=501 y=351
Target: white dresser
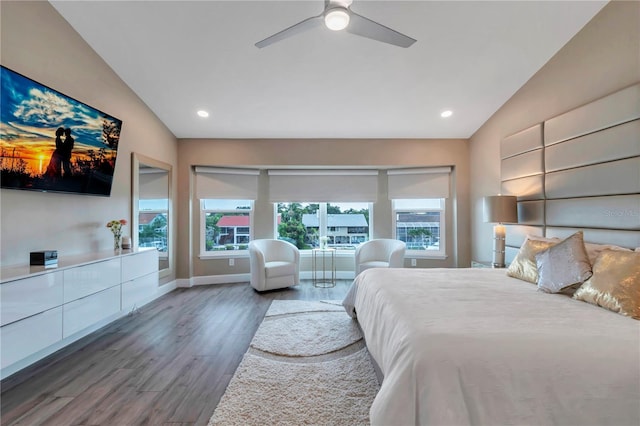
x=44 y=309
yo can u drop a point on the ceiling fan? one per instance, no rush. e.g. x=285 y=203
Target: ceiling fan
x=337 y=15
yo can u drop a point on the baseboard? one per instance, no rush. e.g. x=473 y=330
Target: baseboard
x=243 y=278
x=340 y=275
x=213 y=279
x=166 y=288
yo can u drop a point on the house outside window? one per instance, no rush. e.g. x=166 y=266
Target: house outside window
x=344 y=224
x=420 y=224
x=225 y=225
x=152 y=224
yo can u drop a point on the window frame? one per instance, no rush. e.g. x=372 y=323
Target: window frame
x=204 y=254
x=424 y=254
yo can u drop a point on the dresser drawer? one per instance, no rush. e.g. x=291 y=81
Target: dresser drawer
x=139 y=290
x=85 y=312
x=30 y=335
x=139 y=264
x=29 y=296
x=89 y=279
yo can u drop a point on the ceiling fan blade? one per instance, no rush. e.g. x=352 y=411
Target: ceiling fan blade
x=307 y=24
x=365 y=27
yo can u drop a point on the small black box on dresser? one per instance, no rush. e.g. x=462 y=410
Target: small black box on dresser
x=43 y=258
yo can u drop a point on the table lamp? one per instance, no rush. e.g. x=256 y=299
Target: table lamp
x=500 y=209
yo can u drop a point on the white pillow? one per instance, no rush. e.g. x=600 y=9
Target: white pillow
x=563 y=265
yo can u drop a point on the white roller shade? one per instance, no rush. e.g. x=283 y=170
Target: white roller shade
x=231 y=184
x=323 y=185
x=419 y=183
x=153 y=184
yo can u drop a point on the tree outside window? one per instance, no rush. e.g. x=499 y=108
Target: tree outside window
x=344 y=224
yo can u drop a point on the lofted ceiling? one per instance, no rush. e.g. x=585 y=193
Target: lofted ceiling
x=184 y=56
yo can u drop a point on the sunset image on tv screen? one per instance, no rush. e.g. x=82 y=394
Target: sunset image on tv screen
x=51 y=142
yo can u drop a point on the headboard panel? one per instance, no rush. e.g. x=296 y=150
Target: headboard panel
x=531 y=212
x=522 y=171
x=612 y=110
x=613 y=144
x=515 y=237
x=614 y=177
x=589 y=177
x=614 y=212
x=599 y=236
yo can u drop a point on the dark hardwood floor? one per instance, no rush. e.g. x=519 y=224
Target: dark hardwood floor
x=168 y=364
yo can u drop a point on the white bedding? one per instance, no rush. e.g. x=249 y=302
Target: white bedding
x=473 y=346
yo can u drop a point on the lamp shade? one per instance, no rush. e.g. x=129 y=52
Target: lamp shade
x=501 y=209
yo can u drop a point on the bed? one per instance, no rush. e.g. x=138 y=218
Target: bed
x=475 y=346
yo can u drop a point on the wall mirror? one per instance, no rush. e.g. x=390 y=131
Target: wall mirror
x=151 y=208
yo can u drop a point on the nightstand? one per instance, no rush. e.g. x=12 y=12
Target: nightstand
x=479 y=264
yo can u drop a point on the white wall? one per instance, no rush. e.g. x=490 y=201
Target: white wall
x=38 y=43
x=602 y=58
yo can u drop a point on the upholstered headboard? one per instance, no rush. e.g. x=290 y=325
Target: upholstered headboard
x=578 y=171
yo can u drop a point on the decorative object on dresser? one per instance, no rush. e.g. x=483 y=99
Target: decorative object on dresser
x=116 y=228
x=43 y=258
x=500 y=209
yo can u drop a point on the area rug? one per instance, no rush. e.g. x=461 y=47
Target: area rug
x=307 y=365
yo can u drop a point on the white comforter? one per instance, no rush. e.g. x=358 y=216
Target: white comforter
x=473 y=346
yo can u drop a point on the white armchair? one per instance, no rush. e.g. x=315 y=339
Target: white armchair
x=380 y=253
x=274 y=264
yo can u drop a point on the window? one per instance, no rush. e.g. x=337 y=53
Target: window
x=152 y=224
x=420 y=224
x=225 y=225
x=344 y=224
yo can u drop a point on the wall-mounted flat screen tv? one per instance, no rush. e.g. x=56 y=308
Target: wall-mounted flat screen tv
x=51 y=142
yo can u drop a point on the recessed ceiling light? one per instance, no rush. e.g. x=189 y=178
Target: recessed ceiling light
x=202 y=113
x=447 y=113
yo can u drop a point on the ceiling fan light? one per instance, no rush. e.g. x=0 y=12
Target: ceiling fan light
x=336 y=19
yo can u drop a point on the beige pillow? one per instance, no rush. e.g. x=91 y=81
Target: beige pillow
x=546 y=239
x=554 y=240
x=593 y=250
x=615 y=284
x=524 y=265
x=563 y=265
